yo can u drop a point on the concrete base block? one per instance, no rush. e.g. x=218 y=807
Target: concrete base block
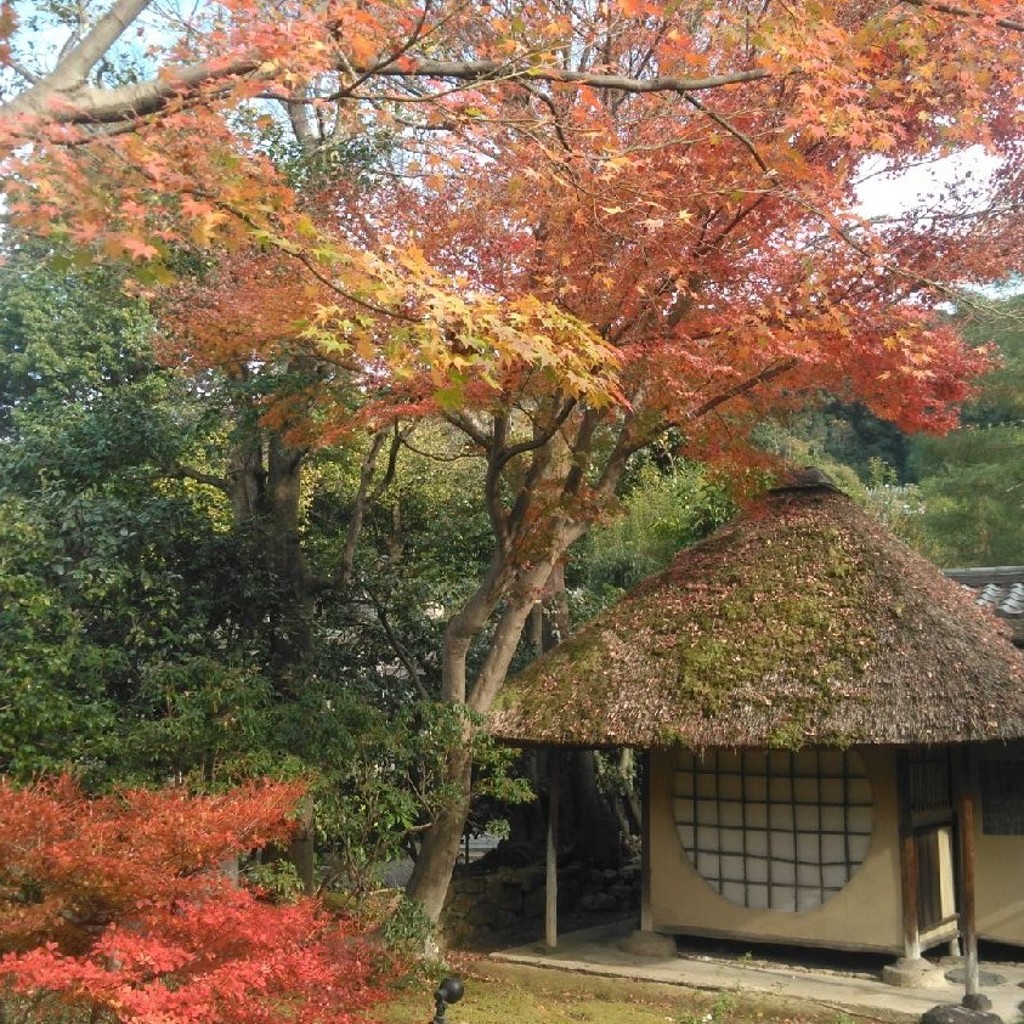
x=650 y=944
x=914 y=973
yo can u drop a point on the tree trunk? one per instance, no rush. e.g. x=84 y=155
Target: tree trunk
x=432 y=873
x=513 y=583
x=292 y=630
x=264 y=487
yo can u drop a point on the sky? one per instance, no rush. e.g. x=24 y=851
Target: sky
x=890 y=195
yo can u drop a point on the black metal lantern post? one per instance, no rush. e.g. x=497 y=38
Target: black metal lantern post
x=449 y=991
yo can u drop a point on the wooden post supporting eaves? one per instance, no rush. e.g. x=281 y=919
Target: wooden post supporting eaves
x=645 y=848
x=551 y=880
x=967 y=789
x=909 y=880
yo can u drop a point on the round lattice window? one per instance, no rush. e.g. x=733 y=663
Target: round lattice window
x=774 y=830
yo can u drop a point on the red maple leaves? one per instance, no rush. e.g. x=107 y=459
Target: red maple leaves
x=118 y=904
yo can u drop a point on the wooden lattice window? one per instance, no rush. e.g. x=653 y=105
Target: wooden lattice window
x=774 y=830
x=1002 y=796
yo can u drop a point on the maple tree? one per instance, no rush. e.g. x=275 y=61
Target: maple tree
x=118 y=905
x=599 y=223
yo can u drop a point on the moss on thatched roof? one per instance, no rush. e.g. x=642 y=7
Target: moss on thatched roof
x=804 y=621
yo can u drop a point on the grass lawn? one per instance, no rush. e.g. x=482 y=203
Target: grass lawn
x=499 y=993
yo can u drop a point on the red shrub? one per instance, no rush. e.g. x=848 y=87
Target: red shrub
x=117 y=904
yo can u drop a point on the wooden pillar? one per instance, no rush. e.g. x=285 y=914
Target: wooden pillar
x=551 y=880
x=966 y=791
x=645 y=847
x=300 y=851
x=909 y=880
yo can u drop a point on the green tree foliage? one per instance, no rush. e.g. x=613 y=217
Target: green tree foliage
x=972 y=481
x=53 y=702
x=137 y=612
x=107 y=564
x=663 y=508
x=972 y=486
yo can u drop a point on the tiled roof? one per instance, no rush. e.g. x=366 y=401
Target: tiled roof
x=1000 y=588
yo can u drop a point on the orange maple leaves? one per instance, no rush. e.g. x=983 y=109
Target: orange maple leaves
x=557 y=225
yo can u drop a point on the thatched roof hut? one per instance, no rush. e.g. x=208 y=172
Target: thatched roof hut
x=835 y=736
x=803 y=622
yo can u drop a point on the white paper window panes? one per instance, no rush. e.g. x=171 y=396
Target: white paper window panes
x=784 y=847
x=833 y=849
x=755 y=787
x=755 y=815
x=807 y=899
x=808 y=875
x=707 y=813
x=858 y=847
x=782 y=816
x=757 y=843
x=784 y=874
x=684 y=784
x=757 y=869
x=832 y=791
x=834 y=876
x=783 y=899
x=708 y=863
x=707 y=785
x=774 y=829
x=730 y=787
x=733 y=868
x=688 y=836
x=808 y=847
x=833 y=819
x=805 y=791
x=858 y=821
x=731 y=839
x=730 y=815
x=860 y=792
x=757 y=897
x=808 y=818
x=682 y=807
x=735 y=892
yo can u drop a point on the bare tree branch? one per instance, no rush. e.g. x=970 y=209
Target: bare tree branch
x=965 y=12
x=187 y=473
x=61 y=96
x=73 y=68
x=355 y=522
x=768 y=373
x=409 y=661
x=538 y=440
x=725 y=124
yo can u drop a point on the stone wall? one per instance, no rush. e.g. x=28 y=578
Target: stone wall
x=502 y=906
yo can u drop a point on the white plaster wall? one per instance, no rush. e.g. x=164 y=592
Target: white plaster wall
x=999 y=874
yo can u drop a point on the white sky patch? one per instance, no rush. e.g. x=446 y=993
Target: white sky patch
x=929 y=185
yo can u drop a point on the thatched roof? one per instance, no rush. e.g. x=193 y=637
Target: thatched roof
x=804 y=621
